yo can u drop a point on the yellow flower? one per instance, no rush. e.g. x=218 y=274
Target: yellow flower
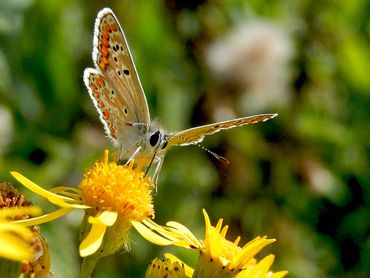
x=219 y=257
x=35 y=253
x=165 y=268
x=15 y=238
x=113 y=196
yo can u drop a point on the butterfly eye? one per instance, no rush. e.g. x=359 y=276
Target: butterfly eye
x=153 y=140
x=164 y=145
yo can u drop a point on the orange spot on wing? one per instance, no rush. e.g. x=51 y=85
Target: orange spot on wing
x=101 y=104
x=100 y=81
x=105 y=41
x=106 y=30
x=106 y=115
x=96 y=94
x=104 y=51
x=114 y=27
x=112 y=130
x=103 y=63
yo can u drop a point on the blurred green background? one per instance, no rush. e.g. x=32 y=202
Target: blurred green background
x=302 y=178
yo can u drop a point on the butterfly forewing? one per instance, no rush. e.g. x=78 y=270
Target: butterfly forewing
x=112 y=57
x=196 y=134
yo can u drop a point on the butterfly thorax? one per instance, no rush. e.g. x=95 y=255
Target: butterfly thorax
x=143 y=142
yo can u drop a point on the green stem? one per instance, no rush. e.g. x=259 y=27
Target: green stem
x=88 y=266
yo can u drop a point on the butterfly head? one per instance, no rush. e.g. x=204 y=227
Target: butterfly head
x=158 y=140
x=152 y=148
x=153 y=142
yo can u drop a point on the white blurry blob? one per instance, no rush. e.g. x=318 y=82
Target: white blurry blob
x=11 y=15
x=322 y=181
x=6 y=129
x=256 y=57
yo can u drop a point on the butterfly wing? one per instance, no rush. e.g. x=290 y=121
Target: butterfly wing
x=196 y=134
x=114 y=85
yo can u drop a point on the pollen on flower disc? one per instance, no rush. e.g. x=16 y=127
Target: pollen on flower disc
x=108 y=186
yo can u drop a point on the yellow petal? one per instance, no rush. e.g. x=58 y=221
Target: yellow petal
x=149 y=235
x=178 y=237
x=44 y=218
x=62 y=192
x=265 y=264
x=15 y=211
x=167 y=235
x=279 y=274
x=224 y=231
x=249 y=250
x=93 y=240
x=215 y=246
x=14 y=248
x=185 y=232
x=207 y=223
x=259 y=270
x=7 y=226
x=106 y=218
x=219 y=225
x=95 y=237
x=53 y=198
x=237 y=240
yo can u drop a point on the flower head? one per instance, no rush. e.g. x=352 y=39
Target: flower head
x=165 y=268
x=116 y=195
x=18 y=242
x=112 y=196
x=112 y=187
x=15 y=238
x=219 y=257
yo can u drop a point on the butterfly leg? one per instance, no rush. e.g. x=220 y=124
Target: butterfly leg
x=157 y=169
x=133 y=155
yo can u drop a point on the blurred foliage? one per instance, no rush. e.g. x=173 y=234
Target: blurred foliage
x=302 y=178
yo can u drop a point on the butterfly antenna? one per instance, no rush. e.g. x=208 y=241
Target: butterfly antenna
x=218 y=157
x=135 y=124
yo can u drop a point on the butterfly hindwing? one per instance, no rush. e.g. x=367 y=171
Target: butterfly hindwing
x=112 y=57
x=196 y=134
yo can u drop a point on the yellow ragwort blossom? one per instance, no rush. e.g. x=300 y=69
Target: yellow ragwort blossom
x=15 y=238
x=218 y=257
x=112 y=196
x=35 y=252
x=165 y=268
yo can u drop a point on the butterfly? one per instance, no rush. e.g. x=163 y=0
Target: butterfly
x=115 y=89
